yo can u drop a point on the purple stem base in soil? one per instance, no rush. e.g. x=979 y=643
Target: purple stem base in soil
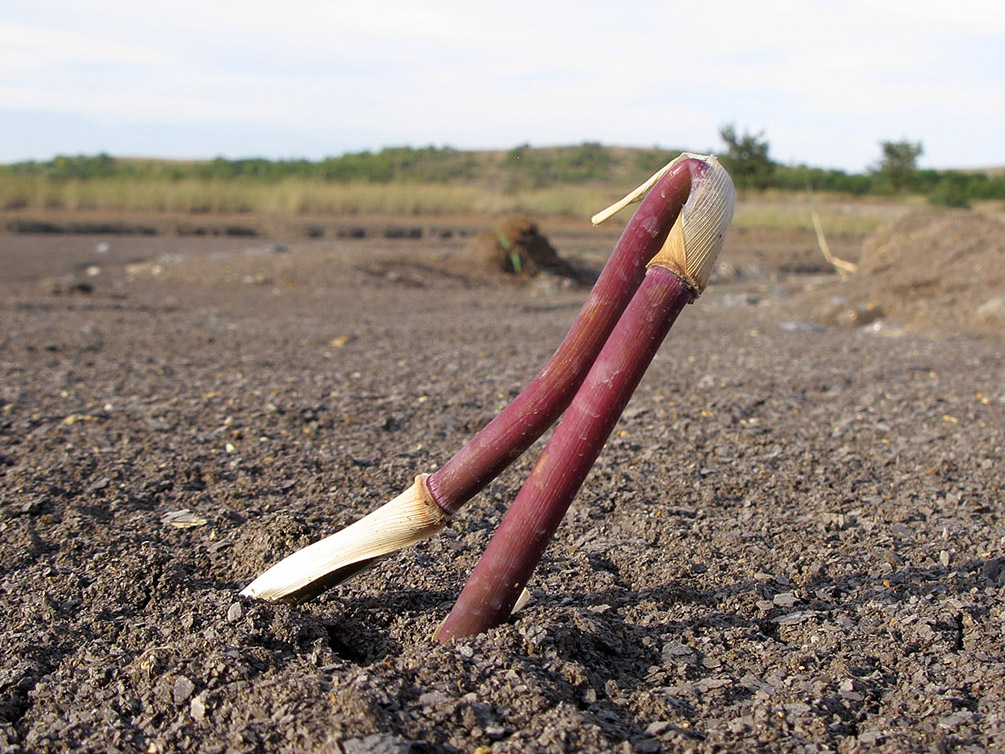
x=544 y=399
x=511 y=556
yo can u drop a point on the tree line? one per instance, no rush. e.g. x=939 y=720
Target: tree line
x=746 y=156
x=426 y=165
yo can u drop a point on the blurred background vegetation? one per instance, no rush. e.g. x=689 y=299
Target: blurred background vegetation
x=575 y=179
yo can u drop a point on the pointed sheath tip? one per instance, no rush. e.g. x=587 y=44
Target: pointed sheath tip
x=408 y=519
x=692 y=247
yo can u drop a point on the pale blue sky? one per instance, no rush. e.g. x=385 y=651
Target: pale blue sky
x=825 y=81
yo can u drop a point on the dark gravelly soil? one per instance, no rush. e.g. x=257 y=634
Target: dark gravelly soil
x=794 y=541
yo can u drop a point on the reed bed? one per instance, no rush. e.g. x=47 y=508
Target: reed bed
x=291 y=197
x=306 y=198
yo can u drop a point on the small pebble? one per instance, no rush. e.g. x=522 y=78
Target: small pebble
x=784 y=599
x=496 y=732
x=197 y=708
x=377 y=744
x=183 y=689
x=432 y=699
x=991 y=568
x=235 y=612
x=659 y=727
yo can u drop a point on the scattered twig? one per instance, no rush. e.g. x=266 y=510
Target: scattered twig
x=845 y=269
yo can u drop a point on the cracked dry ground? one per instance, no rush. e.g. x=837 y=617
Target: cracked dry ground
x=792 y=542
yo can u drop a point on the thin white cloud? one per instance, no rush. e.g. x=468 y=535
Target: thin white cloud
x=26 y=48
x=825 y=80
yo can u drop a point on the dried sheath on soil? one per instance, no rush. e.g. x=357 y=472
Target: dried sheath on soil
x=674 y=278
x=410 y=517
x=329 y=561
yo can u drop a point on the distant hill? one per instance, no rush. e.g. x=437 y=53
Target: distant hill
x=517 y=168
x=521 y=168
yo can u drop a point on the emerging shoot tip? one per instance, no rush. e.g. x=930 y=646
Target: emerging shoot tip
x=692 y=247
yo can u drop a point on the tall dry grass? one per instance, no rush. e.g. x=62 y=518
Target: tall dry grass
x=299 y=197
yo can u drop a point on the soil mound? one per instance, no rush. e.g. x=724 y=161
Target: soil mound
x=517 y=247
x=929 y=270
